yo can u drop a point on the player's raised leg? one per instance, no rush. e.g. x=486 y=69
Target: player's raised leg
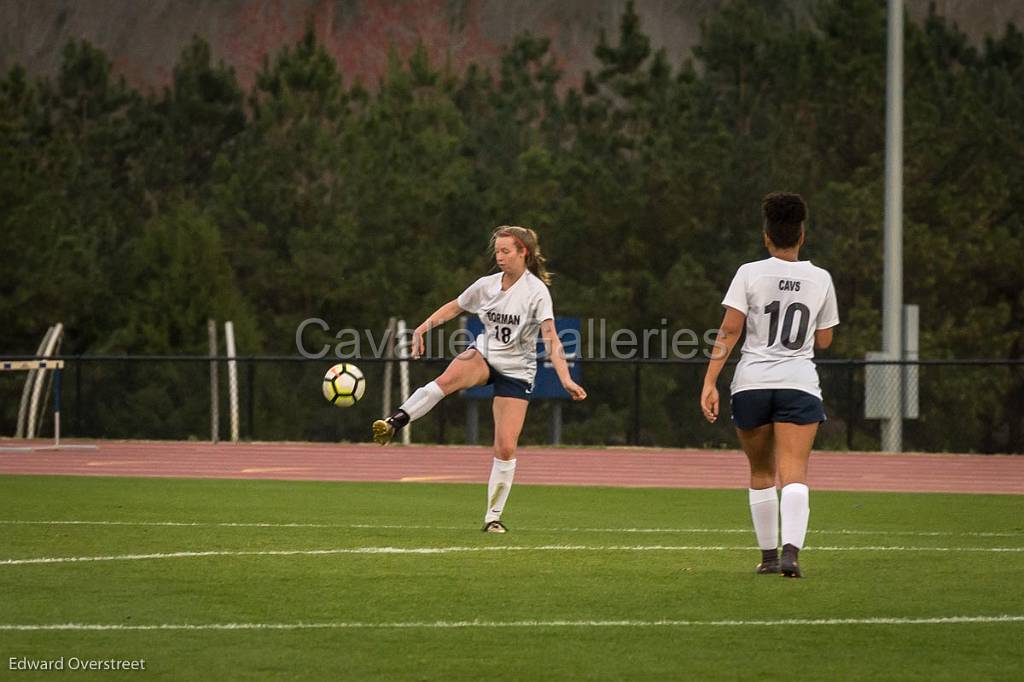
x=509 y=415
x=758 y=444
x=793 y=443
x=468 y=369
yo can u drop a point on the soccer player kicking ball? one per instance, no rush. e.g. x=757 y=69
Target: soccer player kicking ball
x=513 y=304
x=789 y=307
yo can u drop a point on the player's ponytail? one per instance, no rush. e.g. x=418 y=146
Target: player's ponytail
x=527 y=240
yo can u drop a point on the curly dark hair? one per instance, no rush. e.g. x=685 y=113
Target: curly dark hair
x=784 y=215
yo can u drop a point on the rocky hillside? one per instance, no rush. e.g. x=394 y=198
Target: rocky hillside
x=144 y=38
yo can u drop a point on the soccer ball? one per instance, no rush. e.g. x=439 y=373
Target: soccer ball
x=344 y=385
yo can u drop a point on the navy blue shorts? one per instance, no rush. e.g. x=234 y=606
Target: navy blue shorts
x=507 y=387
x=761 y=406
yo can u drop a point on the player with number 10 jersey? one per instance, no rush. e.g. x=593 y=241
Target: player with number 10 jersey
x=782 y=300
x=788 y=307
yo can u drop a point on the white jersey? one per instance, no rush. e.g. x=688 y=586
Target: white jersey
x=785 y=302
x=511 y=321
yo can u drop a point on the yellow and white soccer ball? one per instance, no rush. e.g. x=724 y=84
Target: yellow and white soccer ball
x=344 y=385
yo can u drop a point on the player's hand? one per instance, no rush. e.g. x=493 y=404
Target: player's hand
x=575 y=390
x=709 y=402
x=418 y=347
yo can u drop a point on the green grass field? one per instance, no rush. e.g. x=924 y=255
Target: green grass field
x=591 y=582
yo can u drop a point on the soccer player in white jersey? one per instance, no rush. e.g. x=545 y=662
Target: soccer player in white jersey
x=513 y=304
x=789 y=308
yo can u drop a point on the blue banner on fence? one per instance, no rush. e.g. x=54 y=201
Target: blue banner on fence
x=546 y=385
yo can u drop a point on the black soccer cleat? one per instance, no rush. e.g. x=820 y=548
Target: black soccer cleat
x=494 y=527
x=385 y=429
x=789 y=567
x=769 y=562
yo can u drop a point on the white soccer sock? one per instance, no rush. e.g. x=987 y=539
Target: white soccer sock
x=795 y=511
x=498 y=487
x=422 y=401
x=764 y=510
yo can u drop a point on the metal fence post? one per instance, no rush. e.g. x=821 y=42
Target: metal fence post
x=851 y=404
x=441 y=422
x=252 y=399
x=472 y=421
x=78 y=396
x=389 y=354
x=635 y=436
x=403 y=375
x=229 y=340
x=211 y=327
x=556 y=422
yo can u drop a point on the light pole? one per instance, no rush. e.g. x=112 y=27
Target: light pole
x=892 y=287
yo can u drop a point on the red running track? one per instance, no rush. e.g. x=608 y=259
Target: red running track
x=547 y=466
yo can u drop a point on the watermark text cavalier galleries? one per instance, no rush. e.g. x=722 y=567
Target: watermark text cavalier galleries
x=75 y=663
x=601 y=343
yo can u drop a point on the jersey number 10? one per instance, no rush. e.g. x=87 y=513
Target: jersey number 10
x=787 y=339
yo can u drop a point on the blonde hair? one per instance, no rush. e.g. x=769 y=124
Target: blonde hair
x=527 y=240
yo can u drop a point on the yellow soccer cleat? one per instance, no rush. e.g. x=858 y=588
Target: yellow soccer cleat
x=383 y=431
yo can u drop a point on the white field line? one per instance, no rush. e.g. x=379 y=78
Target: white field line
x=369 y=526
x=467 y=550
x=471 y=624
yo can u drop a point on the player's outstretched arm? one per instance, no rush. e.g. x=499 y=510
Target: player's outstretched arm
x=555 y=351
x=728 y=334
x=448 y=311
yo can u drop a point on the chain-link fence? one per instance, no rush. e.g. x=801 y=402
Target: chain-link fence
x=957 y=406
